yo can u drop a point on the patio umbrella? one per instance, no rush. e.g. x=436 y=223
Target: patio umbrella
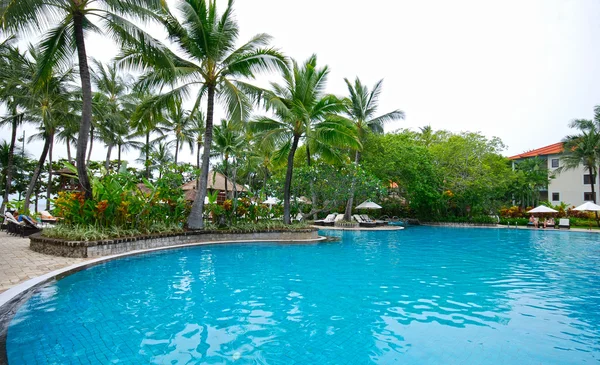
x=368 y=205
x=588 y=206
x=542 y=209
x=271 y=201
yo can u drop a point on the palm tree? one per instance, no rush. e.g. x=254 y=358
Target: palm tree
x=13 y=76
x=179 y=121
x=301 y=111
x=71 y=20
x=197 y=127
x=211 y=61
x=583 y=149
x=229 y=142
x=160 y=156
x=362 y=107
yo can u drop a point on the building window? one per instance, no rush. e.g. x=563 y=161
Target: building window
x=555 y=197
x=587 y=179
x=555 y=162
x=588 y=197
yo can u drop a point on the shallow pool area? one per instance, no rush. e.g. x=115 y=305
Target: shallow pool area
x=424 y=295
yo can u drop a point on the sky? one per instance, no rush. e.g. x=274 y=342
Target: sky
x=515 y=69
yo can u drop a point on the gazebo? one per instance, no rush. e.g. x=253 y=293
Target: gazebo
x=216 y=182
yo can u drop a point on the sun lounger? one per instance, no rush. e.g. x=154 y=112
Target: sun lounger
x=46 y=217
x=362 y=222
x=532 y=224
x=366 y=218
x=328 y=221
x=24 y=228
x=564 y=223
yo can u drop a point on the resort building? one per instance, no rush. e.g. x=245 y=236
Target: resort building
x=569 y=186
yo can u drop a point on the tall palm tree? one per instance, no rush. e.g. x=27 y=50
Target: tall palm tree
x=160 y=156
x=197 y=127
x=70 y=21
x=362 y=108
x=229 y=142
x=583 y=149
x=178 y=119
x=211 y=61
x=301 y=111
x=13 y=78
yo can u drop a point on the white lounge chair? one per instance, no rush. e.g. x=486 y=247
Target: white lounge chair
x=564 y=223
x=328 y=221
x=362 y=222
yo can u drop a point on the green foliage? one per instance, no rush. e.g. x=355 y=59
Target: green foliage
x=94 y=233
x=121 y=202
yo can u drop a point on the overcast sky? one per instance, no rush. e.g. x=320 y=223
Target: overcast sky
x=516 y=69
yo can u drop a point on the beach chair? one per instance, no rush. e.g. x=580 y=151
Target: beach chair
x=328 y=221
x=338 y=218
x=46 y=217
x=366 y=218
x=564 y=223
x=532 y=224
x=362 y=222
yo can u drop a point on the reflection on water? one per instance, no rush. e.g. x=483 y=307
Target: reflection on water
x=419 y=296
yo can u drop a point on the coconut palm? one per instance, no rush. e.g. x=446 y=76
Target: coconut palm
x=160 y=156
x=362 y=108
x=211 y=62
x=13 y=78
x=301 y=111
x=583 y=149
x=178 y=120
x=229 y=142
x=70 y=20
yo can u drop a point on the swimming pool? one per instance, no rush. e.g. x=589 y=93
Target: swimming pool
x=420 y=296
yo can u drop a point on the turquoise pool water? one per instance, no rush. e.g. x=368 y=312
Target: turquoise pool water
x=419 y=296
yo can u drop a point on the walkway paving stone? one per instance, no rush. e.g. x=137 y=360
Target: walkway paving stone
x=18 y=263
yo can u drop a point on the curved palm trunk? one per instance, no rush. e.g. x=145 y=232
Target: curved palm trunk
x=69 y=150
x=195 y=220
x=348 y=212
x=119 y=158
x=108 y=153
x=226 y=174
x=86 y=111
x=288 y=181
x=147 y=153
x=176 y=148
x=11 y=157
x=36 y=175
x=89 y=156
x=49 y=187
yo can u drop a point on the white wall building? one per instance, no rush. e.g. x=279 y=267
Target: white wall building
x=569 y=186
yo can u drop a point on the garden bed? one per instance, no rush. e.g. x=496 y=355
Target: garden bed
x=88 y=249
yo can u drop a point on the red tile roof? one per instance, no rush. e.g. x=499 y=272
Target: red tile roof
x=548 y=150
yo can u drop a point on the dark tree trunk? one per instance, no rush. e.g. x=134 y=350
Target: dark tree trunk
x=198 y=147
x=86 y=111
x=176 y=148
x=288 y=181
x=592 y=183
x=195 y=219
x=11 y=158
x=313 y=193
x=119 y=158
x=36 y=174
x=226 y=174
x=49 y=187
x=69 y=150
x=89 y=156
x=348 y=212
x=147 y=153
x=107 y=162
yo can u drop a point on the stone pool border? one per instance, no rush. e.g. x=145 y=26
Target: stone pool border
x=91 y=249
x=12 y=299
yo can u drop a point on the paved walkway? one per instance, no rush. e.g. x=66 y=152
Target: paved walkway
x=18 y=263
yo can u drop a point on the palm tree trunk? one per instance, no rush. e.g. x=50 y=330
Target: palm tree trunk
x=348 y=212
x=313 y=193
x=36 y=174
x=147 y=153
x=119 y=157
x=592 y=183
x=226 y=174
x=49 y=187
x=89 y=156
x=69 y=150
x=195 y=219
x=198 y=147
x=288 y=181
x=176 y=149
x=86 y=111
x=107 y=162
x=11 y=156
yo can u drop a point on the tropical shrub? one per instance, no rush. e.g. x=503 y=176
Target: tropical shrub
x=120 y=202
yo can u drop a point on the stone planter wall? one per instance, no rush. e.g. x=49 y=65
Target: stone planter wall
x=448 y=224
x=88 y=249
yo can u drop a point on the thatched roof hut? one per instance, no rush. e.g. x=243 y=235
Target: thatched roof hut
x=216 y=181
